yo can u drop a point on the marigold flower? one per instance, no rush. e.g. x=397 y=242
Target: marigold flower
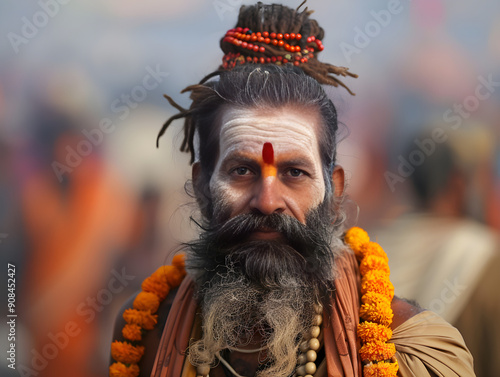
x=154 y=285
x=142 y=318
x=381 y=369
x=371 y=332
x=178 y=261
x=373 y=248
x=377 y=351
x=132 y=332
x=373 y=262
x=170 y=274
x=377 y=312
x=154 y=290
x=377 y=281
x=355 y=238
x=375 y=298
x=121 y=370
x=147 y=301
x=375 y=275
x=126 y=353
x=377 y=293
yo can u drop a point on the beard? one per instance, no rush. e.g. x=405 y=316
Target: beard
x=264 y=287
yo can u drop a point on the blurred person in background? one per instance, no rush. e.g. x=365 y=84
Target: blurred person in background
x=441 y=253
x=76 y=224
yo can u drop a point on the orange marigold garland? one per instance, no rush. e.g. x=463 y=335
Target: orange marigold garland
x=371 y=332
x=381 y=369
x=142 y=317
x=373 y=262
x=375 y=351
x=126 y=353
x=356 y=238
x=121 y=370
x=147 y=301
x=376 y=281
x=132 y=332
x=156 y=286
x=375 y=312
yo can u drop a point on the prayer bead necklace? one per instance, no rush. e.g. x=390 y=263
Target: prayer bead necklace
x=308 y=348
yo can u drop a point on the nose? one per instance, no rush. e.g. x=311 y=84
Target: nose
x=268 y=197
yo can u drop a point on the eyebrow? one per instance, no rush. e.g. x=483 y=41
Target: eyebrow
x=299 y=162
x=238 y=157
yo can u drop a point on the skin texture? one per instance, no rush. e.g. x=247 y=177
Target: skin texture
x=269 y=161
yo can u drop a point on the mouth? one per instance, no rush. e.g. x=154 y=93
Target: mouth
x=266 y=234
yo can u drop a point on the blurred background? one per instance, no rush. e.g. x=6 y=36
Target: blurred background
x=89 y=207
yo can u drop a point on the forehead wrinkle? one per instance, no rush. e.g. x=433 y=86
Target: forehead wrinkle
x=252 y=138
x=268 y=120
x=268 y=127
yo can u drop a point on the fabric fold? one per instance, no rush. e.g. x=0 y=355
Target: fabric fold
x=175 y=338
x=427 y=343
x=341 y=344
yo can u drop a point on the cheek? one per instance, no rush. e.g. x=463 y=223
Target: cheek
x=226 y=196
x=319 y=192
x=312 y=196
x=319 y=186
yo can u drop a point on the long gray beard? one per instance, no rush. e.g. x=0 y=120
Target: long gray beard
x=235 y=308
x=270 y=287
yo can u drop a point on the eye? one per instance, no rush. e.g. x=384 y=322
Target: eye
x=241 y=170
x=295 y=172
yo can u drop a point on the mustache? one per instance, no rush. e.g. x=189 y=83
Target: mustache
x=239 y=228
x=303 y=248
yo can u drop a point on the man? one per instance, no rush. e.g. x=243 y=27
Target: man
x=439 y=254
x=271 y=288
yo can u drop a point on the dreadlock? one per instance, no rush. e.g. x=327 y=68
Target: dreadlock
x=260 y=17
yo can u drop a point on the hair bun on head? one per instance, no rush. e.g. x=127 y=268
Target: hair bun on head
x=270 y=60
x=277 y=34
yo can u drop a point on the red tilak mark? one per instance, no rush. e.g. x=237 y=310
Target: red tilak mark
x=268 y=153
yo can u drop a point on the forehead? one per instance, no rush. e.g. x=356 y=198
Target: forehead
x=289 y=129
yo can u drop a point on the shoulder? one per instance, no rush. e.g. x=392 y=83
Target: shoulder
x=150 y=339
x=403 y=310
x=427 y=345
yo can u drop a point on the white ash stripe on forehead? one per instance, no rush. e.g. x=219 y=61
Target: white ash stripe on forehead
x=253 y=132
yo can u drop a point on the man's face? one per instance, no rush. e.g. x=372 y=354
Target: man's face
x=269 y=162
x=267 y=256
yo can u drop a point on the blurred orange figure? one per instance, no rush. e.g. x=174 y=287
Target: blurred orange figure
x=75 y=231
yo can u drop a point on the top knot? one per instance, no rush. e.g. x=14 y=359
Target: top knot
x=277 y=34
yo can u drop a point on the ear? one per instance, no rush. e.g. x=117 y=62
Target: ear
x=338 y=181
